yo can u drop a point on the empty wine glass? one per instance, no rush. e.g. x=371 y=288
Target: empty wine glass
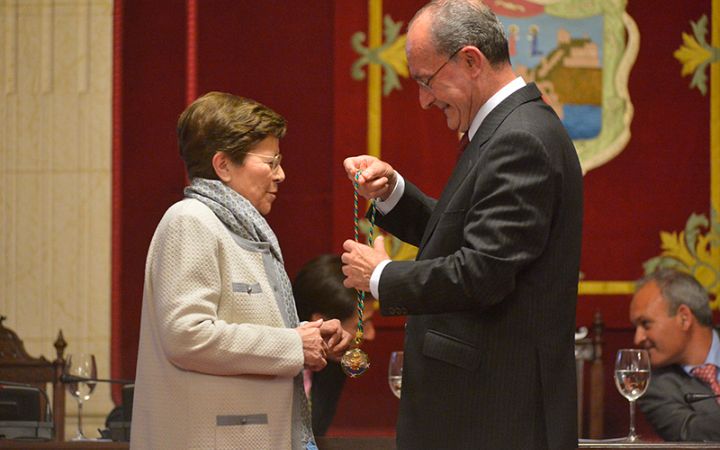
x=395 y=373
x=632 y=376
x=80 y=365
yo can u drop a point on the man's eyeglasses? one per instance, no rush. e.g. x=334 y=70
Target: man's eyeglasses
x=274 y=163
x=426 y=83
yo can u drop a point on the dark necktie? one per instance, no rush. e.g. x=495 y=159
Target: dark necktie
x=707 y=373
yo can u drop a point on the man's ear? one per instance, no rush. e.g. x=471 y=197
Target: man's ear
x=471 y=57
x=685 y=316
x=221 y=164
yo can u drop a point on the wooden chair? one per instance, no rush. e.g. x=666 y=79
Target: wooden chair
x=19 y=367
x=588 y=352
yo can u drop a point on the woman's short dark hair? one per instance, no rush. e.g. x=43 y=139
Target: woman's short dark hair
x=318 y=288
x=220 y=122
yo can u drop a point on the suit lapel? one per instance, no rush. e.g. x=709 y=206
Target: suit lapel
x=472 y=153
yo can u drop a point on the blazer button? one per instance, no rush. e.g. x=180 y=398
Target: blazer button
x=249 y=289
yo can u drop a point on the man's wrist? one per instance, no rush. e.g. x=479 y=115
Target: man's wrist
x=375 y=278
x=386 y=205
x=392 y=183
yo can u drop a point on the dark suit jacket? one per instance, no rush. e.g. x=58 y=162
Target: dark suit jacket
x=489 y=357
x=664 y=406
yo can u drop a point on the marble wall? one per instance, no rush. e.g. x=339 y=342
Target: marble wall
x=55 y=181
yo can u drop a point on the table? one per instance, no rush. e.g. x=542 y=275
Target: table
x=650 y=445
x=388 y=443
x=356 y=443
x=87 y=445
x=365 y=443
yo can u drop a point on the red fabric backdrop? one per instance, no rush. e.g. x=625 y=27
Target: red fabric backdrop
x=296 y=57
x=148 y=95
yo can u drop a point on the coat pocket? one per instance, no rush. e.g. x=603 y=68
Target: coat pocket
x=247 y=288
x=242 y=431
x=451 y=350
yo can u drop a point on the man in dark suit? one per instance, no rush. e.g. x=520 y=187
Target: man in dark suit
x=673 y=322
x=491 y=296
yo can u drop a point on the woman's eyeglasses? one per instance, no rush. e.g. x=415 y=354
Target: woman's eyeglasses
x=274 y=163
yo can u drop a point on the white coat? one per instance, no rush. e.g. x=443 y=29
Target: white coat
x=215 y=363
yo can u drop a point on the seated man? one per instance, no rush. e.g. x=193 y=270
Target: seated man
x=319 y=294
x=673 y=322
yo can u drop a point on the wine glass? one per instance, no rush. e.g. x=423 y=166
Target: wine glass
x=632 y=376
x=395 y=372
x=80 y=365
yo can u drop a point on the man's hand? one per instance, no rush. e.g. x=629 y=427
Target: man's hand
x=314 y=346
x=336 y=338
x=359 y=262
x=377 y=179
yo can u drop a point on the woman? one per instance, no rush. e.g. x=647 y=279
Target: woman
x=221 y=353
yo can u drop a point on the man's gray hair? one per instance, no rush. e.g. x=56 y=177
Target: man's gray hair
x=679 y=288
x=457 y=23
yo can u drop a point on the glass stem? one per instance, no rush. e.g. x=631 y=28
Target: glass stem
x=80 y=428
x=632 y=435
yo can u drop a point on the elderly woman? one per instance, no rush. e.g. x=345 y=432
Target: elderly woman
x=221 y=353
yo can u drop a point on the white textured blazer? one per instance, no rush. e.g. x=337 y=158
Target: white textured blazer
x=215 y=364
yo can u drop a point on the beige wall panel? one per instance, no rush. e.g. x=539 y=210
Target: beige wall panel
x=55 y=180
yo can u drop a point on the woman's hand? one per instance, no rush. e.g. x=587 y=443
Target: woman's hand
x=336 y=338
x=314 y=346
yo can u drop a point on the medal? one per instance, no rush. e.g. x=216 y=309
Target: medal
x=355 y=361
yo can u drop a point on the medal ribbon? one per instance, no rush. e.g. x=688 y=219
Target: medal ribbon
x=361 y=294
